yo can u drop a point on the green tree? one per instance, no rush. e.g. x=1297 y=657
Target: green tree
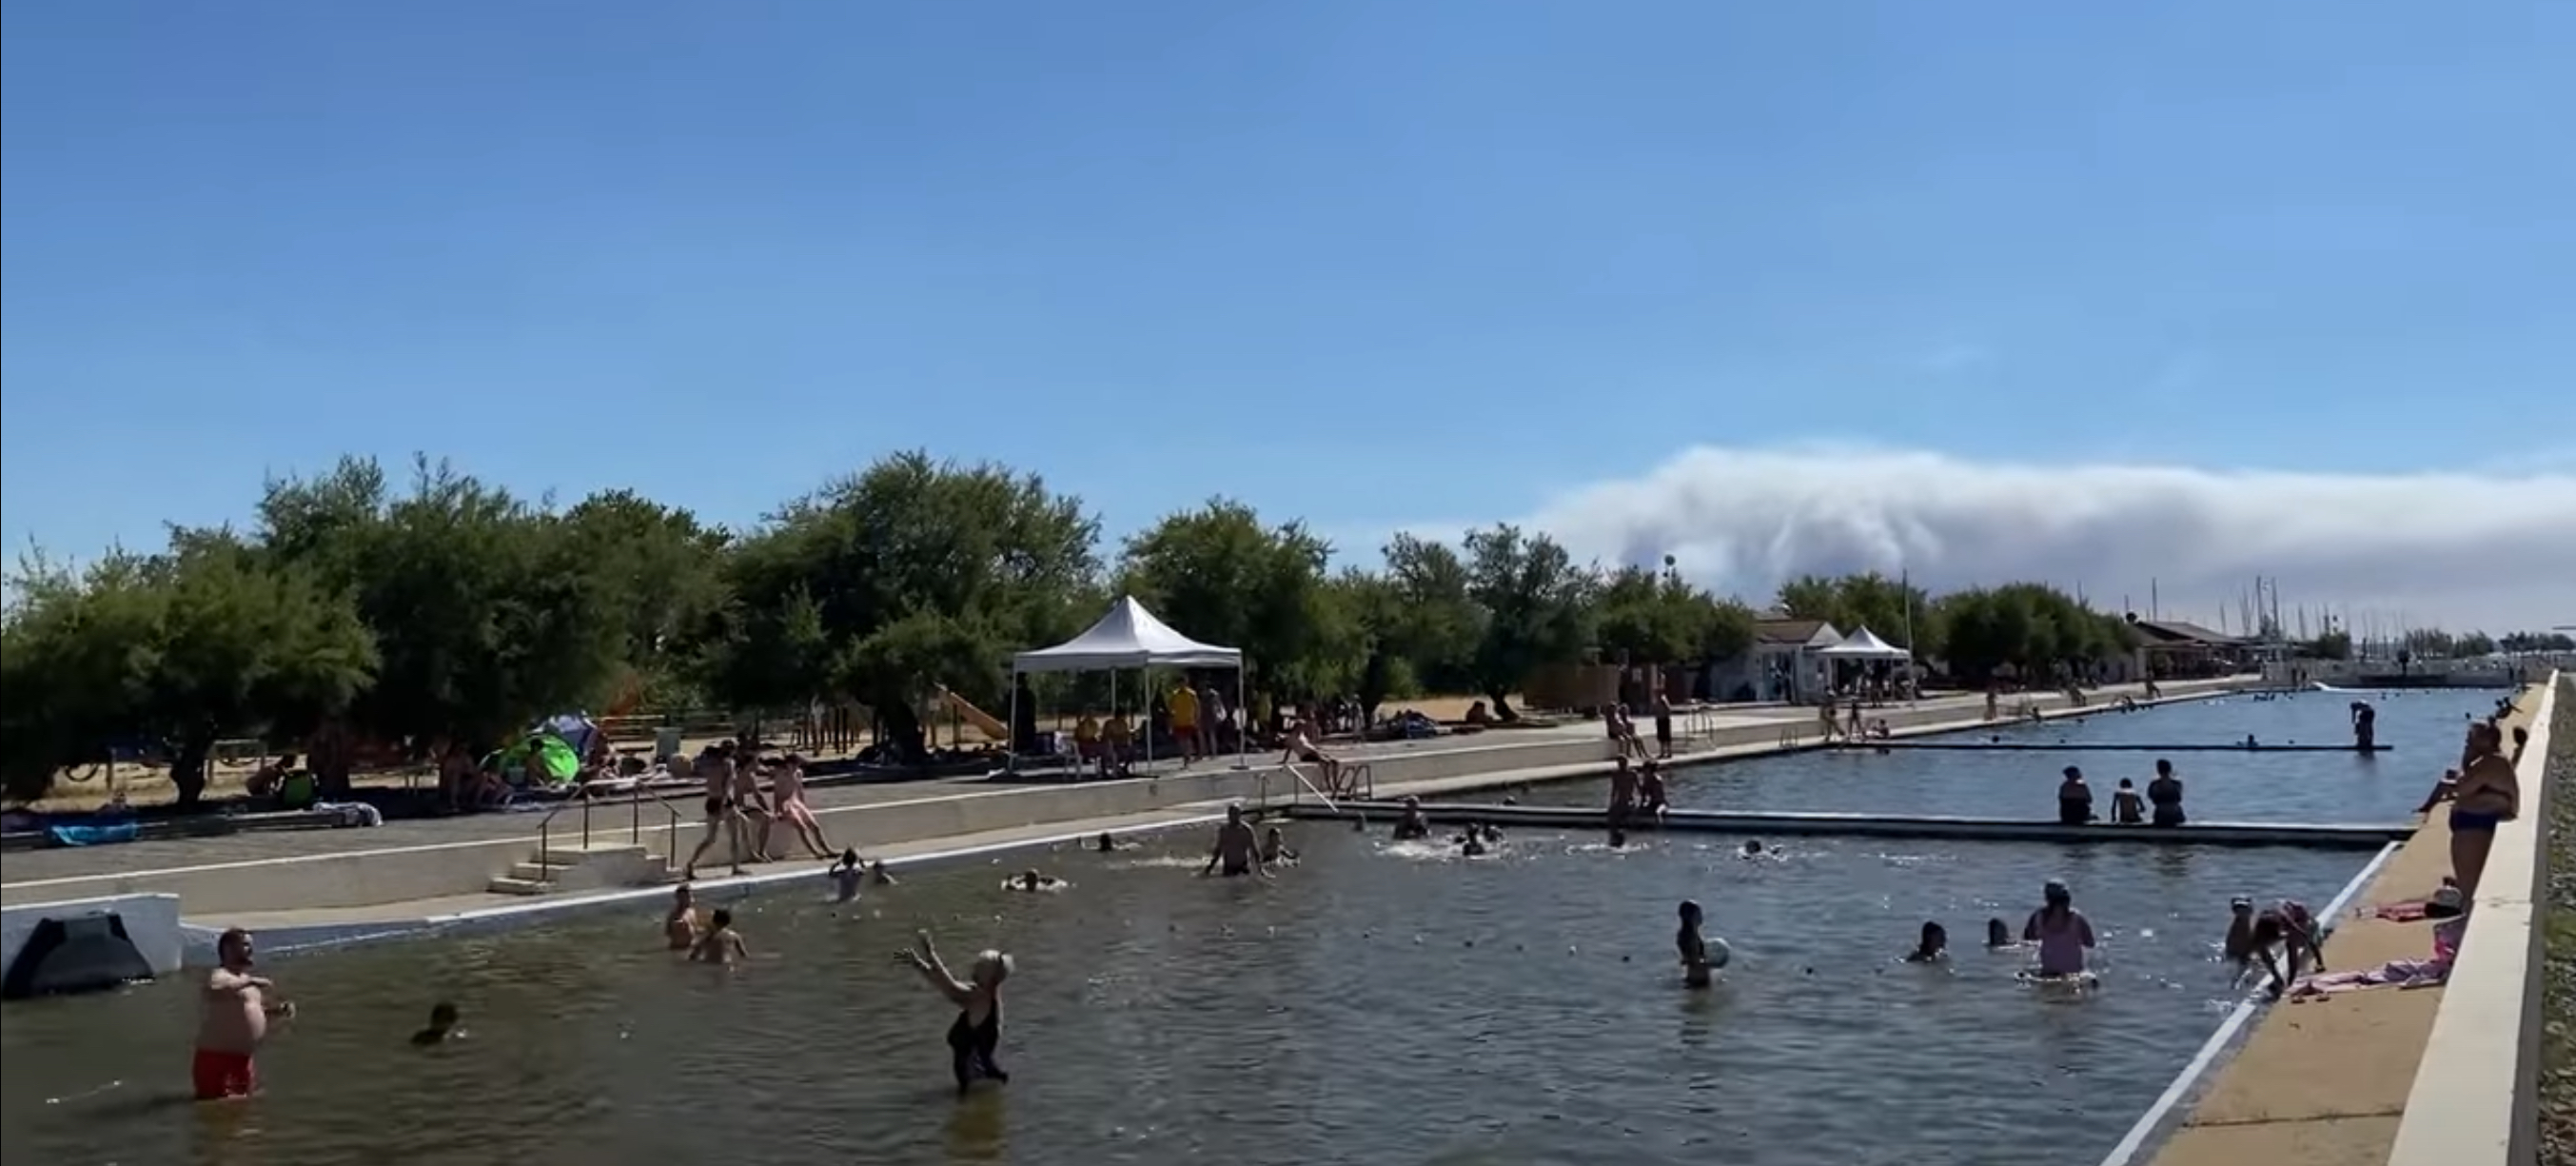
x=1220 y=575
x=182 y=649
x=1433 y=622
x=1536 y=608
x=1896 y=610
x=658 y=570
x=2335 y=644
x=2472 y=645
x=1654 y=617
x=488 y=612
x=919 y=573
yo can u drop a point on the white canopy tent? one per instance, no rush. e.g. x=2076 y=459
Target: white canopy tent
x=1128 y=636
x=1865 y=645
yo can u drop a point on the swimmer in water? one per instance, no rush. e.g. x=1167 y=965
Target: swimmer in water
x=1693 y=947
x=442 y=1027
x=1108 y=845
x=2062 y=932
x=846 y=876
x=680 y=925
x=1752 y=848
x=1031 y=880
x=1618 y=838
x=878 y=875
x=234 y=1023
x=1932 y=948
x=977 y=1033
x=1274 y=848
x=721 y=944
x=1998 y=935
x=1471 y=843
x=1414 y=826
x=1236 y=849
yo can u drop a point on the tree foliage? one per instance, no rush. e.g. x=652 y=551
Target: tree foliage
x=449 y=608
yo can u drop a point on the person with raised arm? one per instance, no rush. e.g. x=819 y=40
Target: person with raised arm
x=234 y=1022
x=977 y=1033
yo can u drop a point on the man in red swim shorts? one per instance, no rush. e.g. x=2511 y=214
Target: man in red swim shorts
x=235 y=1022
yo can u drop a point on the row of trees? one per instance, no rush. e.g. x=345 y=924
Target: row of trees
x=2423 y=644
x=454 y=610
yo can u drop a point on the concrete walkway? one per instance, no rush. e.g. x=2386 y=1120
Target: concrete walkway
x=2324 y=1082
x=614 y=818
x=1967 y=713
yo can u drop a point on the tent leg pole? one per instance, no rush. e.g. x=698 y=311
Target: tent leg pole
x=1011 y=748
x=1242 y=723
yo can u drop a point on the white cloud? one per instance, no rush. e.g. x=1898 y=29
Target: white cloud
x=2489 y=548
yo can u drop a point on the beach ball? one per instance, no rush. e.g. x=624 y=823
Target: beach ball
x=1718 y=952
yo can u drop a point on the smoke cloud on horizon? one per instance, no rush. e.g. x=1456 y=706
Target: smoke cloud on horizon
x=2492 y=550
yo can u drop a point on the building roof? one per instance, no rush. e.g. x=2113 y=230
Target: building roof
x=1785 y=632
x=2174 y=631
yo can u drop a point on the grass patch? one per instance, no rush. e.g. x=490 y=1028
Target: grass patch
x=2558 y=988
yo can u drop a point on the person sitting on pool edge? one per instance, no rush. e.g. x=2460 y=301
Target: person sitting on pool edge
x=2074 y=799
x=1933 y=947
x=1652 y=797
x=2127 y=808
x=2164 y=796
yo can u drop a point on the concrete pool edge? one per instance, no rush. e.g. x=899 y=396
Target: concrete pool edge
x=2168 y=1111
x=428 y=870
x=2476 y=1091
x=2329 y=1082
x=278 y=936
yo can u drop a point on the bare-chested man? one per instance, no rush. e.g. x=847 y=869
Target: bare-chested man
x=724 y=816
x=680 y=926
x=235 y=1022
x=1238 y=849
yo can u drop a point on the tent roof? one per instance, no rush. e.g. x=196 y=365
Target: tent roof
x=1127 y=637
x=1865 y=645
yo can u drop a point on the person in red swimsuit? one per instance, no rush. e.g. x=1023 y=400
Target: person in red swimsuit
x=237 y=1010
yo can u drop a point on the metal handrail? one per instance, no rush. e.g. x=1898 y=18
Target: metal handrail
x=635 y=827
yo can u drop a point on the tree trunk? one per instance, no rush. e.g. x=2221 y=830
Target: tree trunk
x=332 y=760
x=188 y=769
x=903 y=728
x=1503 y=710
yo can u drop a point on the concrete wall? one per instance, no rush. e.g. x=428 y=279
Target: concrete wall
x=2476 y=1093
x=400 y=874
x=365 y=878
x=151 y=921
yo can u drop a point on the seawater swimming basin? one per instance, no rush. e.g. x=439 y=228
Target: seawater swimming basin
x=1378 y=1003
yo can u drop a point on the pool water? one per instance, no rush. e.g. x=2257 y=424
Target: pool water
x=2423 y=728
x=1379 y=1003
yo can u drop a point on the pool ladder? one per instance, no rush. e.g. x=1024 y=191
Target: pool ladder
x=539 y=877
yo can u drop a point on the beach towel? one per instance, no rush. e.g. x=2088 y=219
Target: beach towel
x=2393 y=974
x=93 y=834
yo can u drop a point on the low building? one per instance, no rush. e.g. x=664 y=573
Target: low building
x=2169 y=647
x=1780 y=666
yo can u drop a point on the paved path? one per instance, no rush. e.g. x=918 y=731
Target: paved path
x=2324 y=1083
x=176 y=853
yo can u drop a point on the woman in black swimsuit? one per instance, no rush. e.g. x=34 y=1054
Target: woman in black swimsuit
x=977 y=1033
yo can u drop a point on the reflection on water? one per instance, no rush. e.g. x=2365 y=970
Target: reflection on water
x=1380 y=1002
x=2423 y=728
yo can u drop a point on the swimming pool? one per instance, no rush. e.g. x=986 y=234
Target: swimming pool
x=1378 y=1003
x=2423 y=727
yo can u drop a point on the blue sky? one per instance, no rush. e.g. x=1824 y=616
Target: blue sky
x=1370 y=263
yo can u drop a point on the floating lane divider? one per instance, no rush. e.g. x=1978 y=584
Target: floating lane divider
x=1889 y=826
x=2154 y=1122
x=2106 y=747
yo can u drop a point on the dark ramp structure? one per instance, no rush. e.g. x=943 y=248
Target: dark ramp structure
x=85 y=953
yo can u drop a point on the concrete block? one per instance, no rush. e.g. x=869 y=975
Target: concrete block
x=151 y=921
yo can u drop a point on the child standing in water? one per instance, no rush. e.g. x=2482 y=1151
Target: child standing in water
x=442 y=1027
x=847 y=875
x=1693 y=947
x=721 y=944
x=1933 y=947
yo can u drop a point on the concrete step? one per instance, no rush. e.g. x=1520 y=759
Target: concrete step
x=517 y=886
x=563 y=855
x=540 y=873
